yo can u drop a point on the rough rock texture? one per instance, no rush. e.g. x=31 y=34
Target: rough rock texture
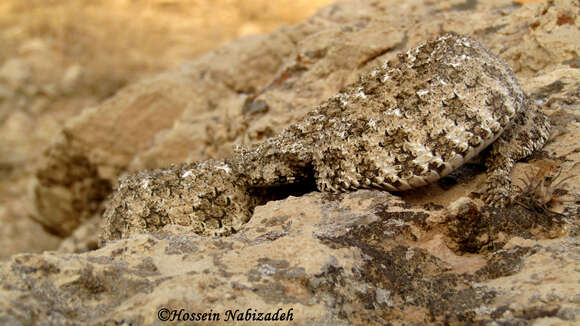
x=60 y=57
x=404 y=125
x=430 y=255
x=255 y=87
x=360 y=258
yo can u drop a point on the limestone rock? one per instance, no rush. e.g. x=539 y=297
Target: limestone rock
x=362 y=258
x=404 y=125
x=253 y=88
x=428 y=256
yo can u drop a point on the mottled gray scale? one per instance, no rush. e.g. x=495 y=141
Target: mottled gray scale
x=405 y=124
x=441 y=104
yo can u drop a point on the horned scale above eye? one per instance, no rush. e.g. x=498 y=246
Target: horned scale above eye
x=405 y=124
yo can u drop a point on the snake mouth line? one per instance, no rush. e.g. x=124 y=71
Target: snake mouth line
x=301 y=186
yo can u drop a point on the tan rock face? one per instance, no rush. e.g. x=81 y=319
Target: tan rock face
x=253 y=88
x=404 y=125
x=361 y=258
x=432 y=255
x=60 y=57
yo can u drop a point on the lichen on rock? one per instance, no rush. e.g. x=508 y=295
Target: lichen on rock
x=431 y=255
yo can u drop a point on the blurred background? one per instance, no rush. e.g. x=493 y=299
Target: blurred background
x=58 y=57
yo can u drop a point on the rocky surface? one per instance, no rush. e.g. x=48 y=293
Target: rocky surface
x=360 y=258
x=200 y=110
x=406 y=124
x=432 y=255
x=60 y=57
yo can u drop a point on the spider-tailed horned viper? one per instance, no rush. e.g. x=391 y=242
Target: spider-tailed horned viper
x=405 y=124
